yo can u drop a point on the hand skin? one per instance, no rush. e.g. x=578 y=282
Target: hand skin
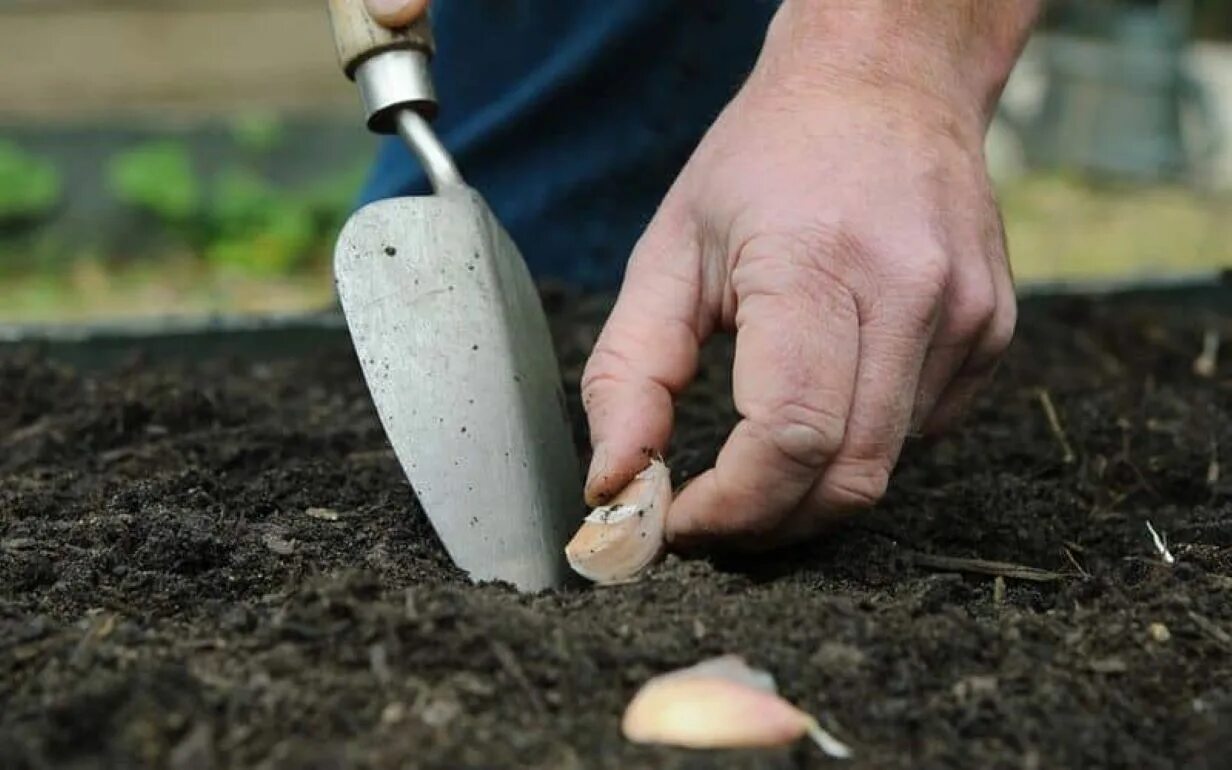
x=395 y=13
x=837 y=217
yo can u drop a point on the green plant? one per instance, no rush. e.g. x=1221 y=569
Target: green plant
x=240 y=221
x=255 y=227
x=157 y=177
x=29 y=186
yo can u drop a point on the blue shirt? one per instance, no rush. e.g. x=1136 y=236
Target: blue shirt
x=574 y=117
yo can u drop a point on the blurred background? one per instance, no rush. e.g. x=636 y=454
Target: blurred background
x=165 y=157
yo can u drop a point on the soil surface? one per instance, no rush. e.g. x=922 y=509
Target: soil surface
x=218 y=564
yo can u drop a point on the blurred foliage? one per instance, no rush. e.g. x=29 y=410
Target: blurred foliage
x=93 y=289
x=332 y=198
x=1061 y=228
x=30 y=186
x=257 y=132
x=238 y=220
x=157 y=177
x=253 y=226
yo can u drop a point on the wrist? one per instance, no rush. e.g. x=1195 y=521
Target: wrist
x=955 y=54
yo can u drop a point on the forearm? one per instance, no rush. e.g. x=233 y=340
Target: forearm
x=959 y=52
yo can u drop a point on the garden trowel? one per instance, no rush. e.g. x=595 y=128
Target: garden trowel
x=452 y=337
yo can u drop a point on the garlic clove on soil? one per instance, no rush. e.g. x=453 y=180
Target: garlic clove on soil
x=720 y=703
x=619 y=541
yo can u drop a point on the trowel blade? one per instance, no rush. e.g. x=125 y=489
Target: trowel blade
x=456 y=351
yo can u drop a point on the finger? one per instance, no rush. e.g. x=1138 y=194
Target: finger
x=986 y=353
x=966 y=313
x=894 y=340
x=794 y=374
x=395 y=13
x=977 y=370
x=646 y=354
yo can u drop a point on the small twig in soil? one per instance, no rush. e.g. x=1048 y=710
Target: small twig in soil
x=982 y=567
x=1207 y=361
x=509 y=662
x=1054 y=424
x=34 y=429
x=1161 y=545
x=1070 y=555
x=1212 y=630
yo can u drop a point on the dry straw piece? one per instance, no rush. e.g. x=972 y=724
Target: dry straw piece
x=721 y=703
x=619 y=541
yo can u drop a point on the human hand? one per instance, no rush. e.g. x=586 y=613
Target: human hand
x=838 y=217
x=395 y=13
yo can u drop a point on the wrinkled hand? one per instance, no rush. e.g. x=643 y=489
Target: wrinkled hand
x=395 y=13
x=845 y=229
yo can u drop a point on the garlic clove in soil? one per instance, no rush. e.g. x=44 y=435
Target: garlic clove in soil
x=720 y=703
x=619 y=541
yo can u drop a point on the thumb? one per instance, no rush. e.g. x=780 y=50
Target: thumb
x=396 y=13
x=646 y=354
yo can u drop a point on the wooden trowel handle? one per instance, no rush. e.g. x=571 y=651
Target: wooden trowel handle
x=359 y=37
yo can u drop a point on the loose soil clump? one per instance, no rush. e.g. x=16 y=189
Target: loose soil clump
x=219 y=564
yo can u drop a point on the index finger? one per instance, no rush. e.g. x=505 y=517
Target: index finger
x=793 y=381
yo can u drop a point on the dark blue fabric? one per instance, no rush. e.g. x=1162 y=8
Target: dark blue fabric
x=572 y=117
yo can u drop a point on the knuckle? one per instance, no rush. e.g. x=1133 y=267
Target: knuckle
x=806 y=435
x=926 y=276
x=814 y=261
x=602 y=363
x=1001 y=331
x=997 y=338
x=913 y=292
x=855 y=486
x=602 y=368
x=972 y=315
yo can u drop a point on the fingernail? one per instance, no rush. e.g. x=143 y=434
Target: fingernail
x=598 y=466
x=393 y=12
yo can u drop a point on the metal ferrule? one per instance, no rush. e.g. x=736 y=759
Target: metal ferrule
x=394 y=80
x=396 y=89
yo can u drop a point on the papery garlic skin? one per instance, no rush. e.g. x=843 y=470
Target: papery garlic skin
x=731 y=668
x=619 y=541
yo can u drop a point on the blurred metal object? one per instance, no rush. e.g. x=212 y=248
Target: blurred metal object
x=1119 y=99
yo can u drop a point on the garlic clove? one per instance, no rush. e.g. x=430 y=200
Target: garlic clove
x=619 y=541
x=720 y=704
x=731 y=668
x=708 y=713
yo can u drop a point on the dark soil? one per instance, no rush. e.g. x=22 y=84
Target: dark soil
x=219 y=565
